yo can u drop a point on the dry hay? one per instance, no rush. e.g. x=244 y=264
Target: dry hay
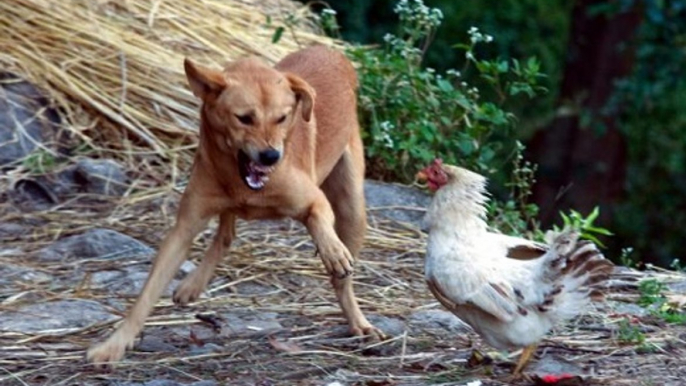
x=115 y=68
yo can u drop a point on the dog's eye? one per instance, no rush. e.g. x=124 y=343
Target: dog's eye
x=244 y=119
x=281 y=119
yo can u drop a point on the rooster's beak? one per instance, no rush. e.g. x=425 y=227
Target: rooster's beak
x=421 y=176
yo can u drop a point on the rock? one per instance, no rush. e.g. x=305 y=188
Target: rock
x=95 y=244
x=128 y=281
x=30 y=195
x=206 y=348
x=187 y=267
x=626 y=308
x=250 y=324
x=549 y=365
x=151 y=343
x=11 y=273
x=72 y=314
x=100 y=176
x=94 y=176
x=395 y=201
x=250 y=288
x=678 y=286
x=440 y=320
x=11 y=252
x=390 y=326
x=24 y=119
x=163 y=382
x=10 y=229
x=236 y=323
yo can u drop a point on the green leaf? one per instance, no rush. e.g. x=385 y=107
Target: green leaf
x=444 y=85
x=277 y=35
x=462 y=46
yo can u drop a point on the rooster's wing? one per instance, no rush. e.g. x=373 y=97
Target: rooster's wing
x=494 y=297
x=517 y=247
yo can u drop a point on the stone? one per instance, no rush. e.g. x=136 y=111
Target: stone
x=87 y=175
x=100 y=176
x=245 y=324
x=151 y=343
x=127 y=281
x=549 y=364
x=440 y=320
x=10 y=229
x=624 y=308
x=25 y=122
x=395 y=201
x=11 y=274
x=95 y=244
x=164 y=382
x=390 y=326
x=677 y=286
x=93 y=176
x=250 y=324
x=71 y=314
x=30 y=195
x=187 y=267
x=206 y=348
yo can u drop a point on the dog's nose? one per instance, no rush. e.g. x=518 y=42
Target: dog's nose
x=269 y=157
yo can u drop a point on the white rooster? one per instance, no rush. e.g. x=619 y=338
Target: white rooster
x=511 y=291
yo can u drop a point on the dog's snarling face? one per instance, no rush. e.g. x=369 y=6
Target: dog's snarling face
x=250 y=109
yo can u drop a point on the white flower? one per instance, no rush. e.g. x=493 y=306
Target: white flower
x=386 y=126
x=385 y=137
x=488 y=38
x=453 y=72
x=472 y=30
x=329 y=11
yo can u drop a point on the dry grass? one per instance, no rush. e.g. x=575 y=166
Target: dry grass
x=115 y=68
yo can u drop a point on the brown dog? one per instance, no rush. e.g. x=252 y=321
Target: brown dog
x=267 y=150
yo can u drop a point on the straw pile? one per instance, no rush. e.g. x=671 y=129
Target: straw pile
x=113 y=65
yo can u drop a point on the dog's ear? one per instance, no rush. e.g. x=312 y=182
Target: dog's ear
x=202 y=80
x=304 y=94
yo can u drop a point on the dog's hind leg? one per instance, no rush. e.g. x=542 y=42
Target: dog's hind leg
x=192 y=286
x=344 y=190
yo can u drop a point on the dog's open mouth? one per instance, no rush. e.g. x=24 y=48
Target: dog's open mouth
x=254 y=174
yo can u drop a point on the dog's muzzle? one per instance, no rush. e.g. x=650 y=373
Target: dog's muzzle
x=255 y=173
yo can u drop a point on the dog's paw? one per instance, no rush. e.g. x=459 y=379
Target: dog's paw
x=337 y=260
x=189 y=290
x=369 y=331
x=105 y=354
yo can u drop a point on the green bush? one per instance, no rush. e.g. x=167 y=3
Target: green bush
x=413 y=114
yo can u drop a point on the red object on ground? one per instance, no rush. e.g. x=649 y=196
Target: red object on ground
x=553 y=379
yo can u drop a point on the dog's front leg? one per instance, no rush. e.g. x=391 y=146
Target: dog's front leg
x=194 y=284
x=320 y=223
x=192 y=218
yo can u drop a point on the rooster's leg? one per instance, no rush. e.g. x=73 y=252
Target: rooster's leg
x=524 y=359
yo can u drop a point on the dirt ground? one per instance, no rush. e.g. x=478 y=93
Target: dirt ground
x=270 y=317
